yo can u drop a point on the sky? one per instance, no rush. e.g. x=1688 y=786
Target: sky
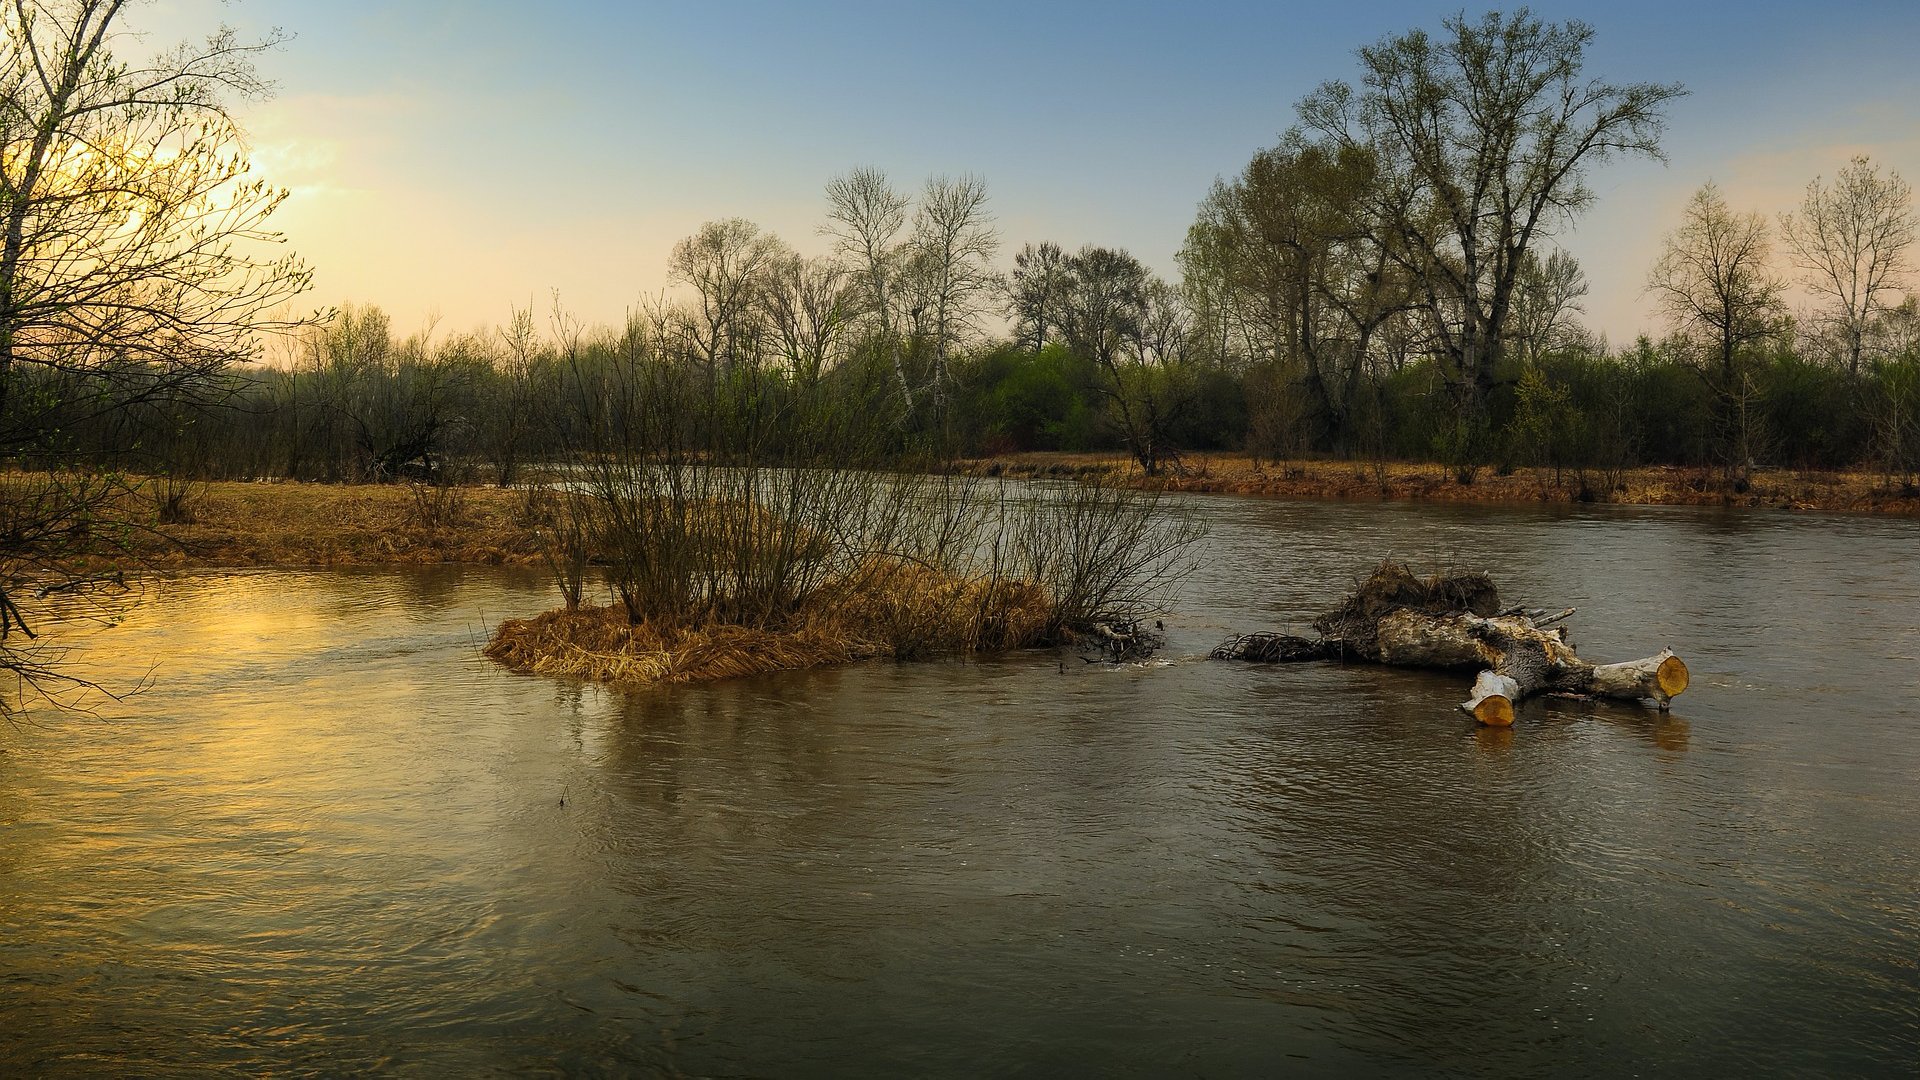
x=450 y=161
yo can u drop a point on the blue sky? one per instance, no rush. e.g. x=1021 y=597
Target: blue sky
x=455 y=159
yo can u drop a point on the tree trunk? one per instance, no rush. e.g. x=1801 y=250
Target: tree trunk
x=1453 y=622
x=1519 y=658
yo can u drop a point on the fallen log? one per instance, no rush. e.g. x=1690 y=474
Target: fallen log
x=1455 y=622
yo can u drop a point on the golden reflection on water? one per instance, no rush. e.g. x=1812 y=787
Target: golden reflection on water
x=1493 y=740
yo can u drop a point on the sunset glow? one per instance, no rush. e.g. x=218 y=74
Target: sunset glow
x=455 y=160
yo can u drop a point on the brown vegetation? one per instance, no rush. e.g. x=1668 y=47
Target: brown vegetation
x=885 y=610
x=1239 y=474
x=291 y=524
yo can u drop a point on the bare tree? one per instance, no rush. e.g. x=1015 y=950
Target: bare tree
x=865 y=217
x=133 y=230
x=1548 y=292
x=730 y=265
x=397 y=404
x=954 y=243
x=1713 y=277
x=1714 y=283
x=512 y=396
x=1484 y=134
x=1851 y=240
x=134 y=251
x=811 y=305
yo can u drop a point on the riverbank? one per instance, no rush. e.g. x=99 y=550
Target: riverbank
x=1345 y=481
x=261 y=524
x=294 y=524
x=902 y=611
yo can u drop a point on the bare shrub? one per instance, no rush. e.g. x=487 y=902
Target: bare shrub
x=436 y=506
x=744 y=499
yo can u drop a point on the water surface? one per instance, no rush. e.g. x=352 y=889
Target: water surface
x=331 y=838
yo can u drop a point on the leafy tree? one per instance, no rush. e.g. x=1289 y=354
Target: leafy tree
x=1133 y=327
x=1306 y=260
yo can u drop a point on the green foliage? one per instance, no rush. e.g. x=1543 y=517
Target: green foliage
x=1018 y=400
x=1546 y=425
x=1217 y=417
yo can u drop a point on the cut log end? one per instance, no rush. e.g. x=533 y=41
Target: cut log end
x=1493 y=698
x=1672 y=676
x=1494 y=711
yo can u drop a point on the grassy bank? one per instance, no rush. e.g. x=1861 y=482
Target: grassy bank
x=291 y=524
x=294 y=524
x=1237 y=474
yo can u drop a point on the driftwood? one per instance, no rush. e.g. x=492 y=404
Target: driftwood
x=1455 y=622
x=1122 y=640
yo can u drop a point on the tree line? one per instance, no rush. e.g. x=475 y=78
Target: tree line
x=1381 y=283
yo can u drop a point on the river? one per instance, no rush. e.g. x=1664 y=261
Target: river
x=330 y=838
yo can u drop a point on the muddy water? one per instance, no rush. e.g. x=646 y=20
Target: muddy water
x=329 y=838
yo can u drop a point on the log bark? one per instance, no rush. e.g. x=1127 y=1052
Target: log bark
x=1450 y=622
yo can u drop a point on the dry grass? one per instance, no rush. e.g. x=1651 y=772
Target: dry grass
x=899 y=610
x=290 y=524
x=1238 y=474
x=598 y=644
x=917 y=611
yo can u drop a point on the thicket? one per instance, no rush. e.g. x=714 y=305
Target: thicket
x=363 y=406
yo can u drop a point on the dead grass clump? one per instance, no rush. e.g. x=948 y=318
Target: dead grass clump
x=600 y=645
x=436 y=507
x=884 y=610
x=918 y=611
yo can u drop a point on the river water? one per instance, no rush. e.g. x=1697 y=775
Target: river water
x=330 y=838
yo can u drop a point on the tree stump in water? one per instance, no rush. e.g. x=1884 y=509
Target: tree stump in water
x=1454 y=622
